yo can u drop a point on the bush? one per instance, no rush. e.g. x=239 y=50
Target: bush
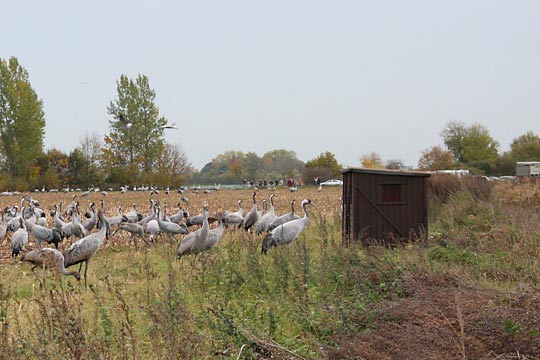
x=441 y=186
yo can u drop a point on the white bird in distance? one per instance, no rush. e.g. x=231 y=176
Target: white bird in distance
x=169 y=126
x=127 y=124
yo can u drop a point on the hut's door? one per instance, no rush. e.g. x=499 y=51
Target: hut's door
x=380 y=211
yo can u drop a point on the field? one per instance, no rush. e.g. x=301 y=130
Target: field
x=469 y=291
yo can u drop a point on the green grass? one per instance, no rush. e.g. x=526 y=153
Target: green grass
x=294 y=302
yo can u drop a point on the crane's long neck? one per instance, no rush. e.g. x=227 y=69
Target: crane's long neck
x=272 y=209
x=105 y=227
x=205 y=225
x=254 y=204
x=61 y=267
x=306 y=214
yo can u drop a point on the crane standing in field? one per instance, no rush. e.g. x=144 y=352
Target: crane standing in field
x=91 y=222
x=84 y=249
x=168 y=227
x=194 y=242
x=236 y=217
x=252 y=216
x=286 y=233
x=43 y=234
x=19 y=239
x=3 y=227
x=134 y=229
x=284 y=218
x=267 y=218
x=215 y=235
x=49 y=258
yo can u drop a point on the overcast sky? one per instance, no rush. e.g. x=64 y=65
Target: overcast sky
x=349 y=77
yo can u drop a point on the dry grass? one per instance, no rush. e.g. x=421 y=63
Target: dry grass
x=469 y=292
x=444 y=317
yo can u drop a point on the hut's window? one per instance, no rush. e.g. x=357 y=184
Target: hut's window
x=391 y=193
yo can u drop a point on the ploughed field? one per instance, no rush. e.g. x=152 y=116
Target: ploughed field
x=326 y=204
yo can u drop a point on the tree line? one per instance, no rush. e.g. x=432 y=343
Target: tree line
x=134 y=151
x=469 y=147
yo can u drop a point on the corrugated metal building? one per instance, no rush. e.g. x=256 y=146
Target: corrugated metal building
x=384 y=206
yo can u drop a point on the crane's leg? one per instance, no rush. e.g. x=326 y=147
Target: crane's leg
x=144 y=238
x=85 y=269
x=37 y=277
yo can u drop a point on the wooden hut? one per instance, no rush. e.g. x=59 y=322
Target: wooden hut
x=384 y=206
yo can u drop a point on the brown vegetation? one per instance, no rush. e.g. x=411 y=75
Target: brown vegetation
x=470 y=291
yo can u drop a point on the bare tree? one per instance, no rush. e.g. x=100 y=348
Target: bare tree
x=172 y=165
x=90 y=146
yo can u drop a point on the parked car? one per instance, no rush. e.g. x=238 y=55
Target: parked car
x=332 y=182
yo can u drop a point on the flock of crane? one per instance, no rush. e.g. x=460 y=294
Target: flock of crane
x=88 y=234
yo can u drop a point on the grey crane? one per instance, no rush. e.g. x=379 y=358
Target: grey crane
x=215 y=235
x=74 y=227
x=267 y=218
x=115 y=220
x=3 y=227
x=234 y=217
x=150 y=224
x=43 y=234
x=179 y=216
x=284 y=218
x=152 y=229
x=84 y=249
x=170 y=228
x=134 y=229
x=90 y=223
x=194 y=242
x=57 y=220
x=13 y=222
x=287 y=232
x=42 y=219
x=252 y=216
x=19 y=239
x=264 y=208
x=164 y=215
x=150 y=216
x=198 y=219
x=49 y=258
x=133 y=215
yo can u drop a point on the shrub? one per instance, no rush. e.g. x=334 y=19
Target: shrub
x=441 y=186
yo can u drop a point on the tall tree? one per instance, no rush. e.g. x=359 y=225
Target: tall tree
x=54 y=169
x=436 y=158
x=372 y=161
x=253 y=165
x=469 y=144
x=22 y=121
x=282 y=163
x=323 y=167
x=90 y=146
x=77 y=165
x=234 y=166
x=173 y=168
x=326 y=160
x=135 y=138
x=225 y=168
x=526 y=147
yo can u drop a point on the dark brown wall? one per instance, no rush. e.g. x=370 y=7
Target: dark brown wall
x=383 y=206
